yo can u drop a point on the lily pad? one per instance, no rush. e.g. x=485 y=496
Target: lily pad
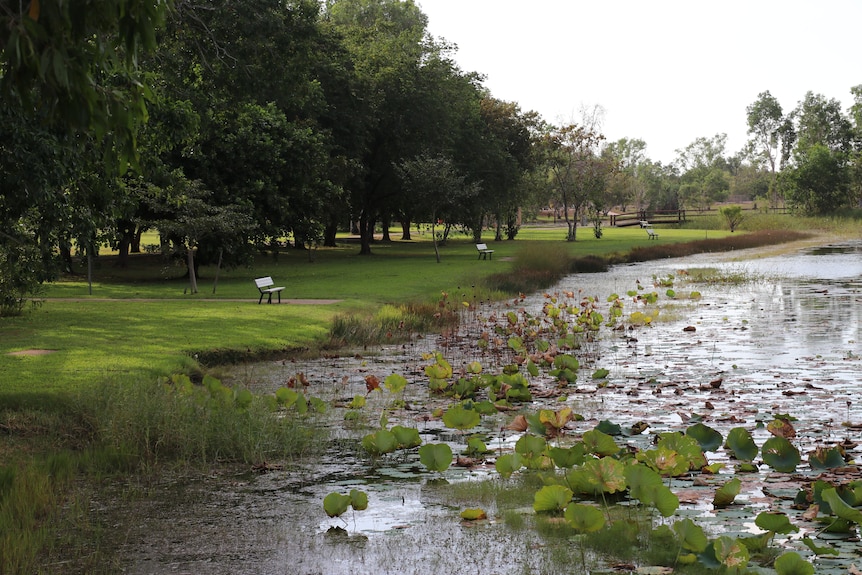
x=584 y=518
x=740 y=444
x=791 y=563
x=727 y=493
x=780 y=454
x=708 y=438
x=552 y=499
x=436 y=456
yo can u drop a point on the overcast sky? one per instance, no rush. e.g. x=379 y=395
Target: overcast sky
x=665 y=71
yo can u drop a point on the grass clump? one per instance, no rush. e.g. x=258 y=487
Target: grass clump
x=535 y=266
x=736 y=242
x=390 y=324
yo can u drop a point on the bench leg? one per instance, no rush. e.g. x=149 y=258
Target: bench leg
x=260 y=301
x=279 y=297
x=269 y=299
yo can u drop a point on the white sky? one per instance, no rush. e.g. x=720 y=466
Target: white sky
x=665 y=71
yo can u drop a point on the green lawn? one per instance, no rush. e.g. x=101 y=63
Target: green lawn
x=111 y=332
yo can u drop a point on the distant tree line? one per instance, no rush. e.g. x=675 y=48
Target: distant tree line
x=229 y=125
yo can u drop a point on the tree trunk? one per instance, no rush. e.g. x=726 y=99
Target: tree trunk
x=329 y=233
x=405 y=229
x=366 y=234
x=385 y=225
x=135 y=246
x=193 y=281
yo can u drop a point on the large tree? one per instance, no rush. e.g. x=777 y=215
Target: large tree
x=771 y=137
x=704 y=171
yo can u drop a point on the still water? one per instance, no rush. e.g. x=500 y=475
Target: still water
x=786 y=340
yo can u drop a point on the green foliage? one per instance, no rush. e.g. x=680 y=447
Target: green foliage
x=740 y=444
x=552 y=499
x=435 y=456
x=708 y=438
x=791 y=563
x=725 y=494
x=584 y=518
x=458 y=417
x=647 y=486
x=780 y=454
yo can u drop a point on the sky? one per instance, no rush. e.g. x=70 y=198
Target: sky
x=664 y=71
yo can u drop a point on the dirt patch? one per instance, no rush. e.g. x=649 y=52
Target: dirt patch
x=32 y=352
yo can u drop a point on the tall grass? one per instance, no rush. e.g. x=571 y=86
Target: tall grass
x=537 y=265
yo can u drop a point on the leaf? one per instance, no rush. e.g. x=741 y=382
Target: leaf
x=555 y=420
x=406 y=437
x=335 y=504
x=609 y=427
x=731 y=553
x=605 y=475
x=647 y=486
x=708 y=438
x=665 y=461
x=826 y=458
x=827 y=550
x=531 y=446
x=507 y=464
x=780 y=454
x=568 y=458
x=458 y=417
x=600 y=443
x=565 y=361
x=781 y=428
x=436 y=456
x=552 y=499
x=691 y=535
x=839 y=506
x=791 y=563
x=380 y=442
x=473 y=514
x=584 y=518
x=776 y=522
x=725 y=494
x=358 y=499
x=740 y=444
x=372 y=383
x=601 y=373
x=395 y=383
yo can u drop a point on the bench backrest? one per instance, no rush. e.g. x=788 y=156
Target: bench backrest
x=263 y=282
x=481 y=247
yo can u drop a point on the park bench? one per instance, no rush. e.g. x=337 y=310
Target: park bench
x=644 y=223
x=651 y=233
x=265 y=287
x=484 y=252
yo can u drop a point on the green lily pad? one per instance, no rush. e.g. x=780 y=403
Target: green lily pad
x=458 y=417
x=708 y=438
x=791 y=563
x=727 y=493
x=740 y=444
x=780 y=454
x=507 y=464
x=395 y=383
x=776 y=522
x=840 y=508
x=436 y=456
x=552 y=499
x=406 y=437
x=599 y=443
x=335 y=504
x=647 y=486
x=818 y=550
x=584 y=518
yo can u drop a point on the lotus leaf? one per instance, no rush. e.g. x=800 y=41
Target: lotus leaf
x=708 y=438
x=358 y=499
x=605 y=475
x=691 y=535
x=665 y=461
x=791 y=563
x=725 y=494
x=507 y=464
x=474 y=367
x=243 y=398
x=473 y=514
x=601 y=373
x=740 y=444
x=731 y=553
x=826 y=458
x=335 y=504
x=646 y=485
x=357 y=402
x=475 y=446
x=555 y=420
x=552 y=499
x=776 y=522
x=599 y=443
x=609 y=427
x=532 y=368
x=817 y=550
x=568 y=458
x=458 y=417
x=584 y=518
x=395 y=383
x=406 y=437
x=530 y=446
x=686 y=446
x=780 y=454
x=839 y=506
x=435 y=456
x=565 y=361
x=380 y=442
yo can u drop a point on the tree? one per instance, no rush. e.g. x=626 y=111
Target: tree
x=733 y=216
x=820 y=181
x=772 y=137
x=436 y=186
x=822 y=121
x=577 y=171
x=704 y=175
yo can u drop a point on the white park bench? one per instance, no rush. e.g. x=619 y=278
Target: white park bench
x=651 y=233
x=265 y=287
x=484 y=252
